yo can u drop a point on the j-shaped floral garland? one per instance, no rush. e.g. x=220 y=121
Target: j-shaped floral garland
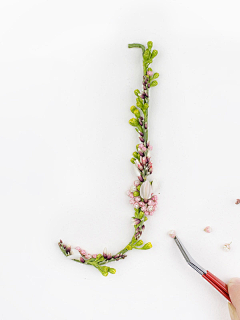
x=141 y=193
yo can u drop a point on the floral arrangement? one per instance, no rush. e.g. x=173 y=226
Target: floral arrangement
x=141 y=192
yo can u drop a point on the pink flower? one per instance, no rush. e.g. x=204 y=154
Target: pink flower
x=136 y=205
x=131 y=195
x=131 y=201
x=150 y=208
x=141 y=204
x=83 y=252
x=140 y=146
x=144 y=149
x=150 y=148
x=78 y=249
x=151 y=203
x=154 y=198
x=88 y=256
x=94 y=255
x=144 y=209
x=128 y=193
x=150 y=73
x=137 y=199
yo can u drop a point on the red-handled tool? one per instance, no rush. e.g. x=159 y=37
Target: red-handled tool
x=207 y=275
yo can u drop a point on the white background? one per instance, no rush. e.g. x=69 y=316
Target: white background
x=67 y=81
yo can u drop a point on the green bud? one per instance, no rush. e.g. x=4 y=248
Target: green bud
x=147 y=246
x=154 y=83
x=145 y=107
x=136 y=193
x=140 y=128
x=128 y=247
x=139 y=243
x=105 y=274
x=149 y=44
x=105 y=269
x=139 y=105
x=136 y=155
x=137 y=146
x=154 y=54
x=141 y=214
x=133 y=122
x=137 y=113
x=136 y=92
x=112 y=270
x=133 y=160
x=149 y=69
x=133 y=108
x=99 y=257
x=145 y=218
x=139 y=187
x=146 y=54
x=155 y=76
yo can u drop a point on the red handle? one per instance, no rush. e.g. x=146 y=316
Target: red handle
x=217 y=284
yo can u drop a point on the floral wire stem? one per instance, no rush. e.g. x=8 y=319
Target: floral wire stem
x=141 y=195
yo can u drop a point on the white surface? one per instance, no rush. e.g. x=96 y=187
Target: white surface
x=67 y=81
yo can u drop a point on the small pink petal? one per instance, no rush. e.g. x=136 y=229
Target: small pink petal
x=78 y=249
x=94 y=255
x=172 y=233
x=131 y=201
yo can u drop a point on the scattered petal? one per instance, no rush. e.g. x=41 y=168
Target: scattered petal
x=208 y=229
x=172 y=233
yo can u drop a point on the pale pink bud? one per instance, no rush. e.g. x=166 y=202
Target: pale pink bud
x=144 y=149
x=137 y=199
x=82 y=260
x=133 y=188
x=94 y=255
x=208 y=229
x=131 y=201
x=137 y=183
x=144 y=160
x=150 y=148
x=78 y=249
x=83 y=252
x=128 y=193
x=154 y=198
x=136 y=205
x=131 y=195
x=140 y=178
x=140 y=167
x=172 y=233
x=140 y=146
x=135 y=221
x=88 y=256
x=146 y=190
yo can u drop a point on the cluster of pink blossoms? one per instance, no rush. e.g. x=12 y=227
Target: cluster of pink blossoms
x=148 y=206
x=85 y=254
x=145 y=164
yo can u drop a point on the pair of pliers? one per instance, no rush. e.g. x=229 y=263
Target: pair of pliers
x=207 y=275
